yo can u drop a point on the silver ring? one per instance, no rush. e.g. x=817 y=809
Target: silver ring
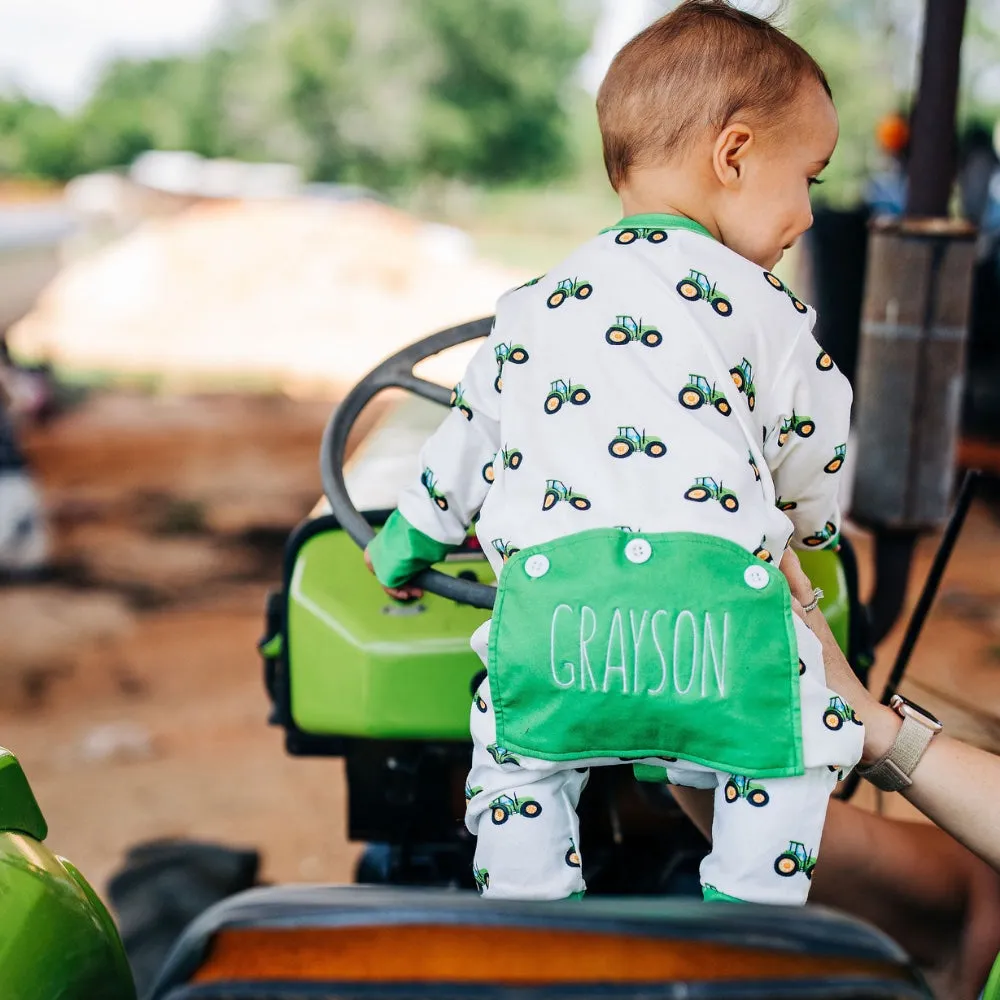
x=814 y=603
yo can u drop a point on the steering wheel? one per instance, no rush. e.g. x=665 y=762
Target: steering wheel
x=397 y=372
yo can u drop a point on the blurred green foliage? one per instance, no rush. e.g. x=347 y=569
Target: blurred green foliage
x=382 y=93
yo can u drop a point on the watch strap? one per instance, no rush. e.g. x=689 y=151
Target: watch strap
x=891 y=772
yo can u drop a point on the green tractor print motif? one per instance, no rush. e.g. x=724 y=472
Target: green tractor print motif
x=803 y=426
x=459 y=402
x=631 y=235
x=516 y=354
x=504 y=549
x=480 y=702
x=698 y=393
x=796 y=859
x=501 y=755
x=627 y=330
x=564 y=391
x=763 y=552
x=482 y=877
x=556 y=491
x=835 y=464
x=697 y=286
x=741 y=787
x=471 y=791
x=785 y=505
x=824 y=362
x=752 y=462
x=706 y=488
x=743 y=379
x=505 y=806
x=569 y=288
x=777 y=283
x=838 y=712
x=530 y=282
x=511 y=458
x=428 y=482
x=572 y=856
x=828 y=531
x=628 y=441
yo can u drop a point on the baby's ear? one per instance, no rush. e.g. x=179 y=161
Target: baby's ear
x=730 y=151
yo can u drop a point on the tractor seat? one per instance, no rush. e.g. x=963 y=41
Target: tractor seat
x=355 y=941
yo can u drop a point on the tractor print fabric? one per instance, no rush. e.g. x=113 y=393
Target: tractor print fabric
x=765 y=834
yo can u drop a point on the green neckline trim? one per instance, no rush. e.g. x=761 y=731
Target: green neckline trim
x=657 y=220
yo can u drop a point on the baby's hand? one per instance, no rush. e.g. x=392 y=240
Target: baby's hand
x=404 y=593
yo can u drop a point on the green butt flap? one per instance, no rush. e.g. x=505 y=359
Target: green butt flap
x=610 y=644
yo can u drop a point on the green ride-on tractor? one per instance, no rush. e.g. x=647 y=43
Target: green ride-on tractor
x=706 y=488
x=697 y=286
x=505 y=806
x=569 y=288
x=556 y=491
x=516 y=354
x=838 y=712
x=626 y=330
x=628 y=441
x=803 y=426
x=698 y=393
x=564 y=391
x=739 y=786
x=626 y=236
x=743 y=379
x=796 y=859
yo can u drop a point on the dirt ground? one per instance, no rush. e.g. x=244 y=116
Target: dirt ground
x=130 y=686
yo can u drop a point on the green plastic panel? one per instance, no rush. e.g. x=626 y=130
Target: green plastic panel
x=825 y=570
x=364 y=665
x=19 y=811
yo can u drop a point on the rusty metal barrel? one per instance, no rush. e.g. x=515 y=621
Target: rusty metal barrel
x=908 y=389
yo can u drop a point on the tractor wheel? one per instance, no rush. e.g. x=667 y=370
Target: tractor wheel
x=697 y=493
x=809 y=872
x=550 y=499
x=802 y=666
x=500 y=815
x=580 y=396
x=583 y=292
x=759 y=798
x=691 y=398
x=573 y=858
x=656 y=449
x=466 y=412
x=833 y=465
x=510 y=553
x=782 y=439
x=498 y=383
x=580 y=503
x=737 y=378
x=788 y=505
x=813 y=540
x=722 y=405
x=453 y=398
x=556 y=299
x=723 y=307
x=762 y=553
x=824 y=362
x=518 y=356
x=530 y=809
x=805 y=429
x=855 y=719
x=514 y=461
x=652 y=338
x=732 y=792
x=689 y=290
x=751 y=400
x=442 y=502
x=830 y=528
x=786 y=864
x=832 y=720
x=480 y=703
x=626 y=236
x=730 y=503
x=656 y=236
x=774 y=281
x=488 y=474
x=616 y=336
x=553 y=402
x=799 y=306
x=621 y=448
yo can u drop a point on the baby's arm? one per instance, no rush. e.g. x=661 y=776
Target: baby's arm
x=436 y=508
x=806 y=446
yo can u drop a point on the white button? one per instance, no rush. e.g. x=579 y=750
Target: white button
x=756 y=577
x=537 y=565
x=638 y=550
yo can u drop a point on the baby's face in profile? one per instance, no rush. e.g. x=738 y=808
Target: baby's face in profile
x=769 y=209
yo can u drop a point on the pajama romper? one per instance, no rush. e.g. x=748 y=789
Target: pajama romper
x=643 y=428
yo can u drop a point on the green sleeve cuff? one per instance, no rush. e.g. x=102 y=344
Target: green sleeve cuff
x=399 y=551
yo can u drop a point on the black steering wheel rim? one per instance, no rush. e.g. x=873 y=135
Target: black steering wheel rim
x=396 y=372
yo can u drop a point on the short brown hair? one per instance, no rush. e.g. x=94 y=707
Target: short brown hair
x=705 y=63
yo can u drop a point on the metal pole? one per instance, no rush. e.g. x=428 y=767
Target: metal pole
x=932 y=141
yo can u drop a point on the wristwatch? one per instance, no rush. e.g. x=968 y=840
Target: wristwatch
x=891 y=772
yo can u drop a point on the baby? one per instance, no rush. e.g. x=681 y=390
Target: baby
x=645 y=426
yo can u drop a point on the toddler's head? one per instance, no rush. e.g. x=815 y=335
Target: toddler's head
x=715 y=114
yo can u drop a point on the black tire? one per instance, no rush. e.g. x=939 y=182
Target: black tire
x=466 y=412
x=809 y=872
x=499 y=815
x=731 y=792
x=722 y=405
x=550 y=499
x=782 y=439
x=697 y=493
x=514 y=462
x=442 y=502
x=573 y=858
x=786 y=864
x=580 y=503
x=553 y=402
x=626 y=236
x=855 y=719
x=488 y=474
x=751 y=400
x=833 y=465
x=531 y=809
x=687 y=289
x=832 y=720
x=799 y=306
x=616 y=336
x=518 y=356
x=691 y=398
x=738 y=379
x=580 y=396
x=788 y=505
x=824 y=362
x=723 y=307
x=730 y=503
x=806 y=429
x=802 y=670
x=556 y=299
x=453 y=398
x=655 y=449
x=813 y=540
x=652 y=338
x=480 y=703
x=774 y=281
x=498 y=383
x=583 y=292
x=759 y=798
x=763 y=554
x=656 y=236
x=620 y=443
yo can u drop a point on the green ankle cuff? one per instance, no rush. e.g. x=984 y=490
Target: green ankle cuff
x=712 y=895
